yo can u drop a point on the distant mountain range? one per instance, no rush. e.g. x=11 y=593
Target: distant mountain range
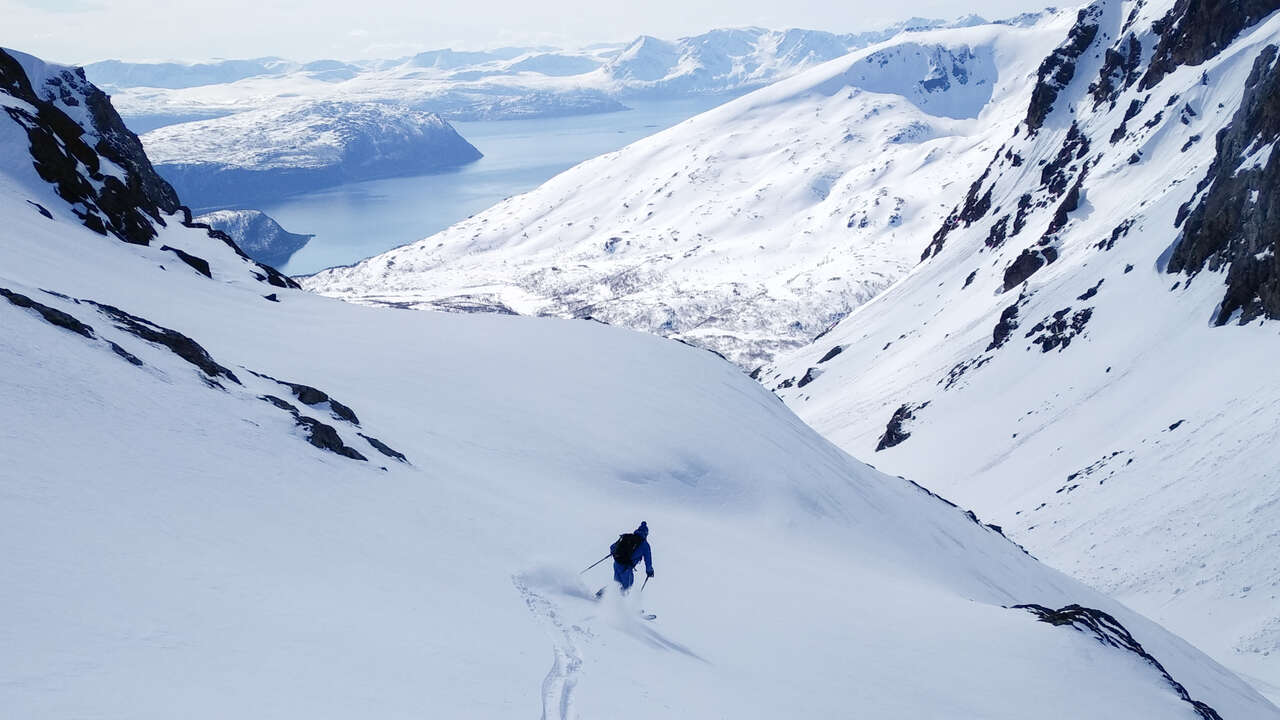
x=491 y=84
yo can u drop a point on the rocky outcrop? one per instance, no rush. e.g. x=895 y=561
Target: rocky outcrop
x=53 y=316
x=896 y=431
x=319 y=434
x=1058 y=69
x=1235 y=224
x=81 y=147
x=1110 y=632
x=1196 y=30
x=177 y=343
x=123 y=204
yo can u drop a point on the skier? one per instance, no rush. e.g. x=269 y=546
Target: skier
x=627 y=552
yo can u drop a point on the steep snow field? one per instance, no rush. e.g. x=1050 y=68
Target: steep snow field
x=1092 y=406
x=179 y=548
x=751 y=228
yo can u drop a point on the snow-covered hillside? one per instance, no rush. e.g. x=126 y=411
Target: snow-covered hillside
x=1086 y=353
x=258 y=234
x=278 y=151
x=494 y=84
x=752 y=228
x=225 y=498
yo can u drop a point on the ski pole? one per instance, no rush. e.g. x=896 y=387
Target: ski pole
x=646 y=582
x=606 y=557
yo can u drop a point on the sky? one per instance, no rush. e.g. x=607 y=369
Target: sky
x=80 y=31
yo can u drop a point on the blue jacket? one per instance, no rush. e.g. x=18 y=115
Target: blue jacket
x=642 y=551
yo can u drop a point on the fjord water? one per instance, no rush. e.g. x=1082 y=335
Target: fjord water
x=358 y=220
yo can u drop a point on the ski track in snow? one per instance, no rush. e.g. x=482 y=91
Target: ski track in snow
x=562 y=678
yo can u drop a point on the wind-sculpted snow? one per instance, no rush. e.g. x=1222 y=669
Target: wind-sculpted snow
x=264 y=154
x=752 y=228
x=196 y=527
x=1057 y=350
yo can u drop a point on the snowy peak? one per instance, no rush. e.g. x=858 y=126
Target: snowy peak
x=946 y=81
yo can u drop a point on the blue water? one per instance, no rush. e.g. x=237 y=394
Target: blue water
x=359 y=220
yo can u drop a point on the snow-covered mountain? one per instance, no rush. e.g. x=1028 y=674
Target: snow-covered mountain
x=175 y=75
x=752 y=228
x=736 y=59
x=282 y=150
x=258 y=234
x=493 y=84
x=227 y=498
x=1086 y=352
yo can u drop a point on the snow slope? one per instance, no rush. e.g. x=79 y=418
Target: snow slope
x=1045 y=365
x=197 y=533
x=749 y=229
x=286 y=149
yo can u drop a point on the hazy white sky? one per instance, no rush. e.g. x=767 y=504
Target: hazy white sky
x=79 y=31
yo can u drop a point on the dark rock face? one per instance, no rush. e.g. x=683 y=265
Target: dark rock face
x=1119 y=71
x=198 y=264
x=975 y=207
x=1057 y=330
x=60 y=146
x=52 y=316
x=70 y=156
x=1196 y=30
x=177 y=343
x=809 y=376
x=1057 y=70
x=326 y=437
x=831 y=354
x=312 y=397
x=384 y=448
x=1005 y=327
x=1110 y=632
x=320 y=435
x=895 y=432
x=1236 y=223
x=1023 y=267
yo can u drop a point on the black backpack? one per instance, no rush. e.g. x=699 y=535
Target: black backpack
x=625 y=548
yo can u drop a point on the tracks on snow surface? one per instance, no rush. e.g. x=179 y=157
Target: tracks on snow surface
x=562 y=678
